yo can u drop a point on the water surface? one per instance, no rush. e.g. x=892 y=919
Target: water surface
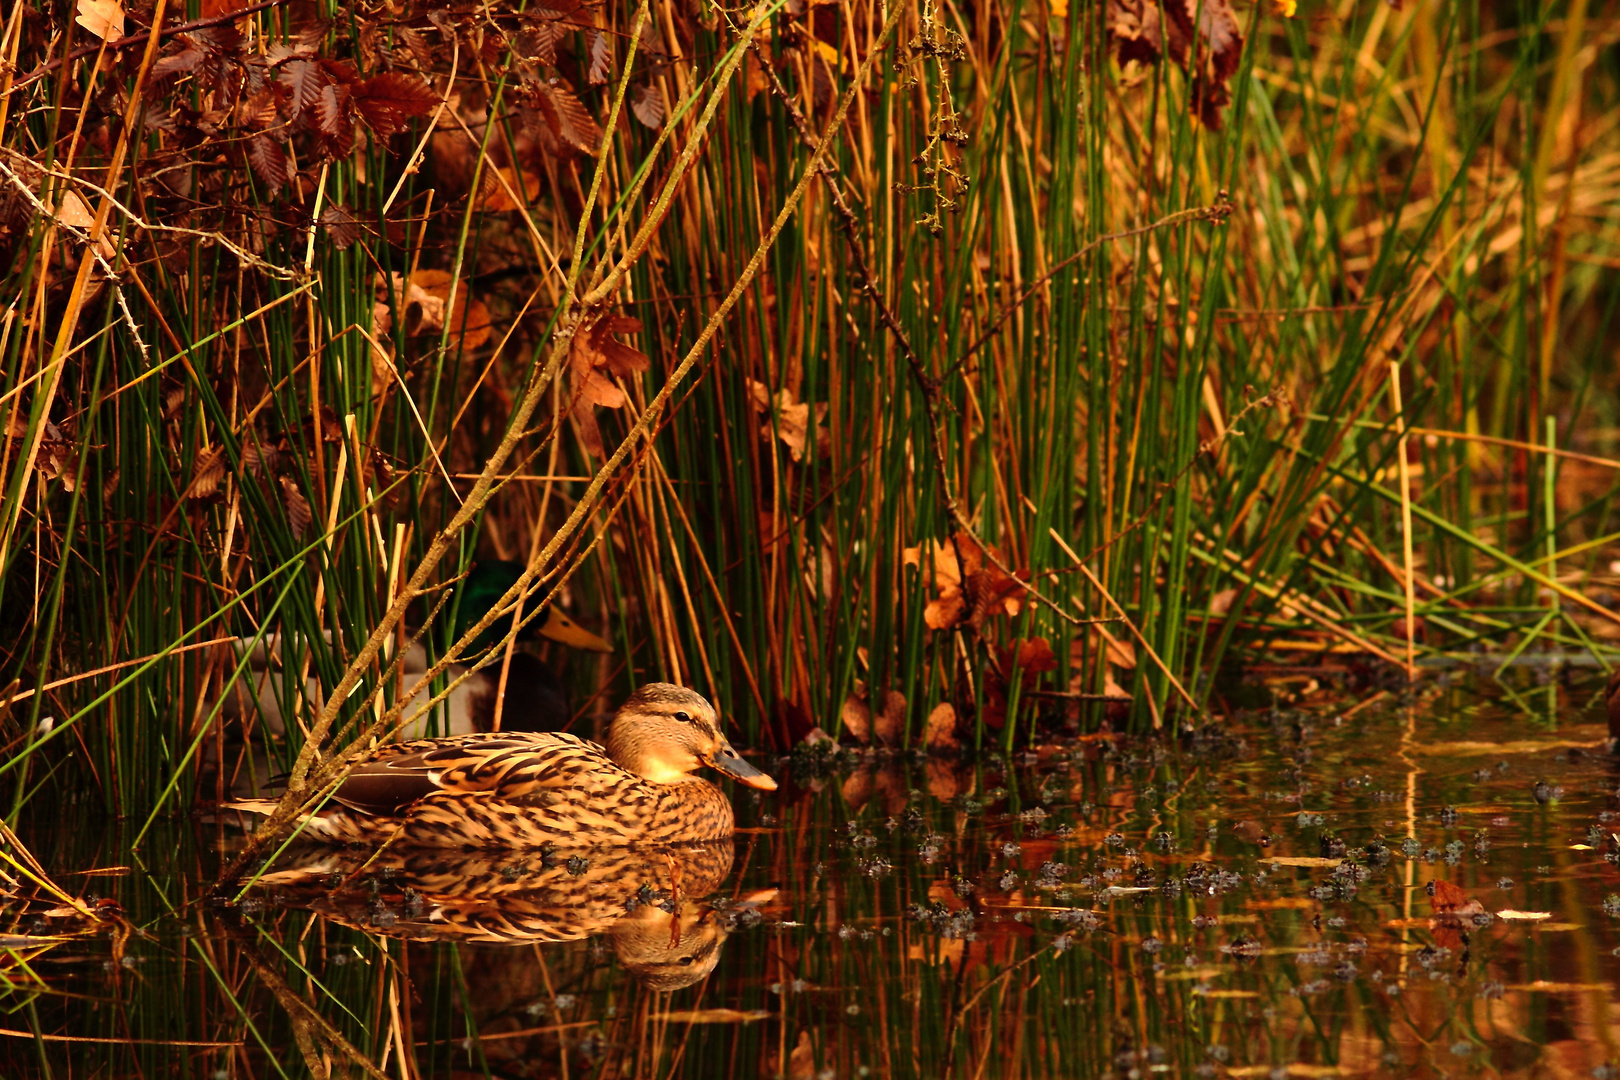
x=1422 y=886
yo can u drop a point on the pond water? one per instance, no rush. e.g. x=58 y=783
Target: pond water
x=1421 y=885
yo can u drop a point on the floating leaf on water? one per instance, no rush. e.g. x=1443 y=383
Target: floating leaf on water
x=1524 y=916
x=1301 y=860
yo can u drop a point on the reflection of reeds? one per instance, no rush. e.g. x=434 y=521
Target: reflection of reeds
x=869 y=953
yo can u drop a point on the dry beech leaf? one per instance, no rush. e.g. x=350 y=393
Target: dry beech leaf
x=103 y=18
x=390 y=101
x=601 y=59
x=1524 y=916
x=595 y=356
x=856 y=716
x=523 y=184
x=209 y=471
x=298 y=512
x=792 y=419
x=647 y=102
x=468 y=318
x=940 y=730
x=269 y=162
x=340 y=226
x=569 y=119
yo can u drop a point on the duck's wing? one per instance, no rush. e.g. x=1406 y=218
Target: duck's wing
x=506 y=765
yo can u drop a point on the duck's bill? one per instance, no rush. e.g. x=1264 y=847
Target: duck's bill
x=728 y=762
x=563 y=630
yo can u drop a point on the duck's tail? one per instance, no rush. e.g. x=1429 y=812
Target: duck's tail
x=321 y=826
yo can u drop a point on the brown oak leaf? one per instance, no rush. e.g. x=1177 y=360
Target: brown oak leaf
x=595 y=355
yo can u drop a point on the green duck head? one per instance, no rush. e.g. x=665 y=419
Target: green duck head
x=486 y=583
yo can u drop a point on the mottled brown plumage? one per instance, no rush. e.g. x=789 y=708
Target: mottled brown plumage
x=533 y=789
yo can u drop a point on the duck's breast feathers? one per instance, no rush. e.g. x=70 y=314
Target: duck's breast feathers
x=504 y=765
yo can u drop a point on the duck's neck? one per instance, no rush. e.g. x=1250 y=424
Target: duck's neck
x=654 y=764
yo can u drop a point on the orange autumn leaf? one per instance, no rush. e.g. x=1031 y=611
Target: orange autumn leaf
x=594 y=359
x=468 y=318
x=969 y=586
x=792 y=419
x=103 y=18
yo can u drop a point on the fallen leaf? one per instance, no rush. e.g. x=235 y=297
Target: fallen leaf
x=939 y=732
x=647 y=102
x=468 y=318
x=103 y=18
x=790 y=418
x=569 y=119
x=1524 y=916
x=856 y=717
x=1202 y=37
x=594 y=357
x=497 y=198
x=891 y=720
x=389 y=101
x=1301 y=860
x=1032 y=658
x=970 y=585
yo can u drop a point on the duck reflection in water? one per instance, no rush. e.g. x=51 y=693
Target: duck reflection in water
x=656 y=906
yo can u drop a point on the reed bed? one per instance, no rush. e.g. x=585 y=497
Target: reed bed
x=932 y=375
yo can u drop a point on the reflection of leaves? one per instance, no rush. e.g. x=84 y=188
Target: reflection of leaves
x=1202 y=38
x=594 y=356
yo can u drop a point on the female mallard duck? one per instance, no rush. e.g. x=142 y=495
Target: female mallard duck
x=532 y=789
x=535 y=700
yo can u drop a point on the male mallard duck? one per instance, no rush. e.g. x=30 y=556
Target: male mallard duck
x=532 y=789
x=535 y=700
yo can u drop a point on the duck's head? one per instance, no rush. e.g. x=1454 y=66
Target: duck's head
x=487 y=582
x=664 y=732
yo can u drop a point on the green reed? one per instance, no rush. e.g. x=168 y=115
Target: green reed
x=1154 y=355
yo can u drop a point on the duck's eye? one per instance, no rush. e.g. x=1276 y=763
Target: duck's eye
x=683 y=961
x=685 y=718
